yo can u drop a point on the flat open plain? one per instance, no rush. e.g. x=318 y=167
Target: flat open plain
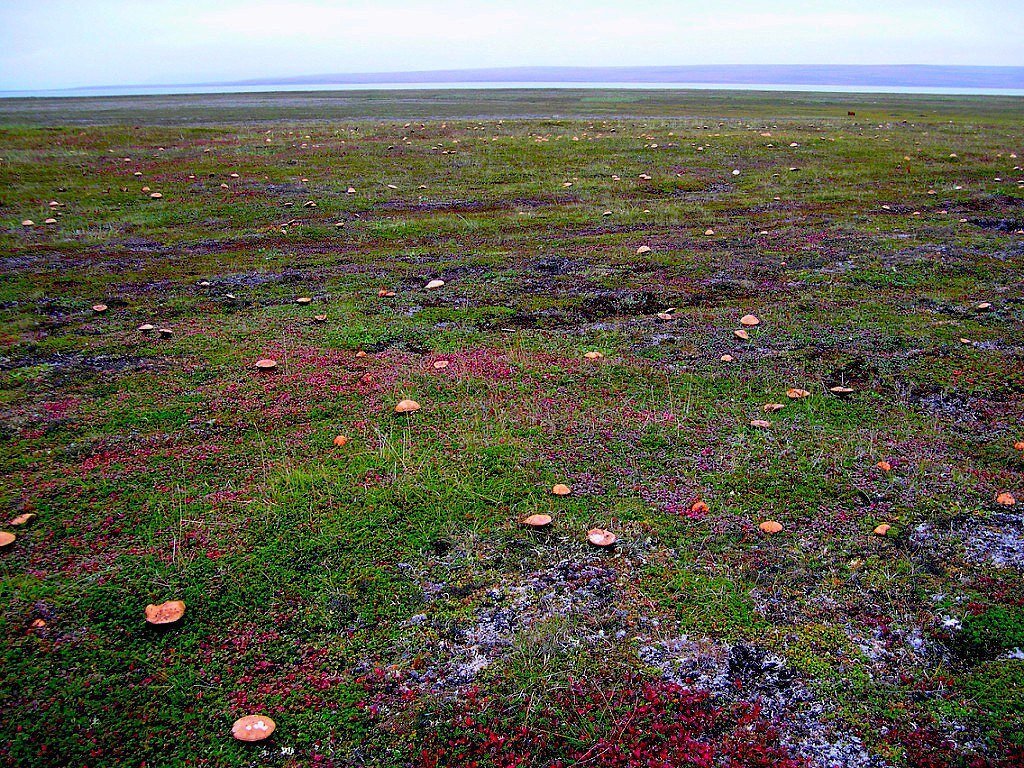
x=378 y=596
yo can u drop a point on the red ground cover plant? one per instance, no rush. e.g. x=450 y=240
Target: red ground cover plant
x=637 y=723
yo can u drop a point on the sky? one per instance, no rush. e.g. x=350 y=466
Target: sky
x=69 y=43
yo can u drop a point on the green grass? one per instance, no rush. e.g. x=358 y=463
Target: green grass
x=355 y=593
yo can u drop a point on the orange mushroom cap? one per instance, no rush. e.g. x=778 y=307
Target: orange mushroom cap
x=537 y=521
x=561 y=490
x=407 y=406
x=165 y=613
x=770 y=526
x=601 y=538
x=253 y=728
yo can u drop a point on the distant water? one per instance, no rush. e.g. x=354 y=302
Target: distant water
x=169 y=90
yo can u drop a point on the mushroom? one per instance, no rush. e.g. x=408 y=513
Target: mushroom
x=882 y=529
x=266 y=364
x=253 y=728
x=561 y=489
x=439 y=364
x=761 y=423
x=50 y=221
x=795 y=393
x=155 y=195
x=320 y=318
x=749 y=321
x=727 y=358
x=165 y=333
x=773 y=407
x=536 y=521
x=165 y=613
x=24 y=519
x=304 y=300
x=147 y=328
x=770 y=526
x=593 y=355
x=340 y=441
x=599 y=537
x=434 y=284
x=885 y=466
x=741 y=334
x=6 y=539
x=1005 y=499
x=28 y=223
x=642 y=250
x=407 y=406
x=841 y=391
x=99 y=309
x=384 y=293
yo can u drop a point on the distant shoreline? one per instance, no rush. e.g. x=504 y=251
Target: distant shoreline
x=186 y=90
x=893 y=78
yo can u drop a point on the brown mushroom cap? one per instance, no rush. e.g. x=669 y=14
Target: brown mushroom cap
x=772 y=407
x=841 y=391
x=561 y=490
x=155 y=195
x=165 y=613
x=340 y=440
x=28 y=223
x=253 y=728
x=165 y=333
x=147 y=328
x=750 y=321
x=599 y=537
x=741 y=334
x=593 y=355
x=384 y=293
x=795 y=393
x=439 y=364
x=536 y=521
x=1006 y=499
x=99 y=309
x=267 y=364
x=50 y=221
x=727 y=359
x=642 y=250
x=882 y=529
x=304 y=300
x=6 y=539
x=770 y=526
x=761 y=423
x=885 y=466
x=407 y=406
x=24 y=519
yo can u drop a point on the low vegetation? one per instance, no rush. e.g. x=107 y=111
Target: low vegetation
x=508 y=488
